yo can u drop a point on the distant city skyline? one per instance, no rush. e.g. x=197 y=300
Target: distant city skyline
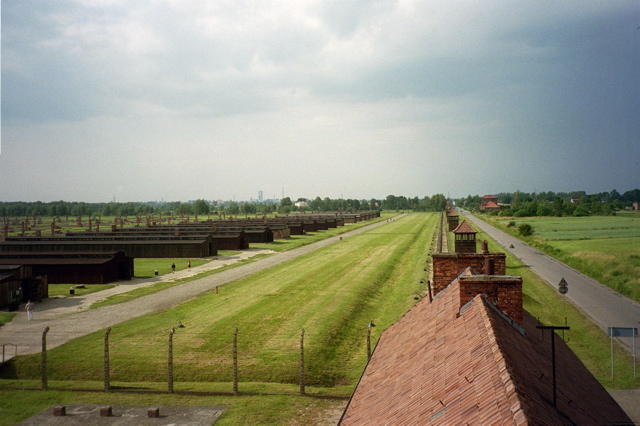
x=211 y=100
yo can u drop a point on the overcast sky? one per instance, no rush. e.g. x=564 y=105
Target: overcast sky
x=177 y=100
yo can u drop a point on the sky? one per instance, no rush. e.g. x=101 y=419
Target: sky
x=179 y=100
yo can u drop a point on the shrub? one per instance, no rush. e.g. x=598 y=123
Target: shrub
x=525 y=229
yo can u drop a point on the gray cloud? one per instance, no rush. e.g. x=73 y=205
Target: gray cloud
x=316 y=96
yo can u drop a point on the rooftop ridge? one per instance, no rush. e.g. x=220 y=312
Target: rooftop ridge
x=511 y=388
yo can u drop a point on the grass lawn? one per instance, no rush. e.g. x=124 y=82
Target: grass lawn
x=6 y=317
x=63 y=289
x=145 y=268
x=266 y=404
x=606 y=248
x=332 y=294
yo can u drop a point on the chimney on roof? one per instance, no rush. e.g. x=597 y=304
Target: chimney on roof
x=489 y=266
x=447 y=266
x=504 y=291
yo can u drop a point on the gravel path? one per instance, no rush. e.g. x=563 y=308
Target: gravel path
x=69 y=317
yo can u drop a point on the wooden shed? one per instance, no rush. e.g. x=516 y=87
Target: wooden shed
x=75 y=268
x=161 y=246
x=18 y=285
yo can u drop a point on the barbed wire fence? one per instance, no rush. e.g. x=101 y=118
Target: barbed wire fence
x=157 y=358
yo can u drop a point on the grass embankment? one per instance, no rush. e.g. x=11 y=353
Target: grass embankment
x=606 y=248
x=586 y=340
x=332 y=294
x=147 y=267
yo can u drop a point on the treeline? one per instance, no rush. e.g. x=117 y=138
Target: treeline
x=577 y=203
x=202 y=207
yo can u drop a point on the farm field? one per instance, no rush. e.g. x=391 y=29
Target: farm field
x=606 y=248
x=333 y=294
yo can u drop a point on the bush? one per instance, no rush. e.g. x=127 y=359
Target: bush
x=511 y=224
x=525 y=229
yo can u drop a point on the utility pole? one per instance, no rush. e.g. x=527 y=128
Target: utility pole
x=553 y=329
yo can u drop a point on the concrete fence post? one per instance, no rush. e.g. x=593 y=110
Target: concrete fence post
x=170 y=361
x=45 y=381
x=107 y=370
x=235 y=362
x=302 y=390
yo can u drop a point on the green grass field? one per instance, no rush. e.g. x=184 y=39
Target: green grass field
x=606 y=248
x=332 y=294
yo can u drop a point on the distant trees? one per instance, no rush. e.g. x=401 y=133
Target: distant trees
x=518 y=204
x=577 y=203
x=201 y=207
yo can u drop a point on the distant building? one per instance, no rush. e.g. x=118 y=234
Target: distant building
x=489 y=203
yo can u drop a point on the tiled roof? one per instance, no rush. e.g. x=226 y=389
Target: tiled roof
x=442 y=365
x=464 y=228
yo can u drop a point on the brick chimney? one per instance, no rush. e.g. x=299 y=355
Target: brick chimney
x=447 y=267
x=504 y=291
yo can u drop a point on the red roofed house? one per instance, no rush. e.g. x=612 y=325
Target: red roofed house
x=474 y=356
x=489 y=203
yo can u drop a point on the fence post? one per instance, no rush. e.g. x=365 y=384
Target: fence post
x=235 y=362
x=107 y=370
x=45 y=381
x=302 y=362
x=170 y=366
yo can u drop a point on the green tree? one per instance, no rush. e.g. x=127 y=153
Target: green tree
x=285 y=206
x=201 y=207
x=316 y=204
x=234 y=208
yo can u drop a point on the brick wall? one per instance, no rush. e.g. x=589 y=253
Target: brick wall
x=447 y=267
x=504 y=291
x=465 y=246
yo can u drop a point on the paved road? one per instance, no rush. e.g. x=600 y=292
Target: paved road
x=68 y=318
x=604 y=306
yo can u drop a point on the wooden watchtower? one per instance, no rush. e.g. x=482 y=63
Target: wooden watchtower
x=465 y=238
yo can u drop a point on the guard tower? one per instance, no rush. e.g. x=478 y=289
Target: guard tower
x=452 y=219
x=465 y=238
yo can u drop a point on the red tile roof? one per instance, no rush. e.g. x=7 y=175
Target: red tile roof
x=464 y=228
x=490 y=205
x=440 y=364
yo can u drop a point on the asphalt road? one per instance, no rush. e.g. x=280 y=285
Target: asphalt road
x=605 y=307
